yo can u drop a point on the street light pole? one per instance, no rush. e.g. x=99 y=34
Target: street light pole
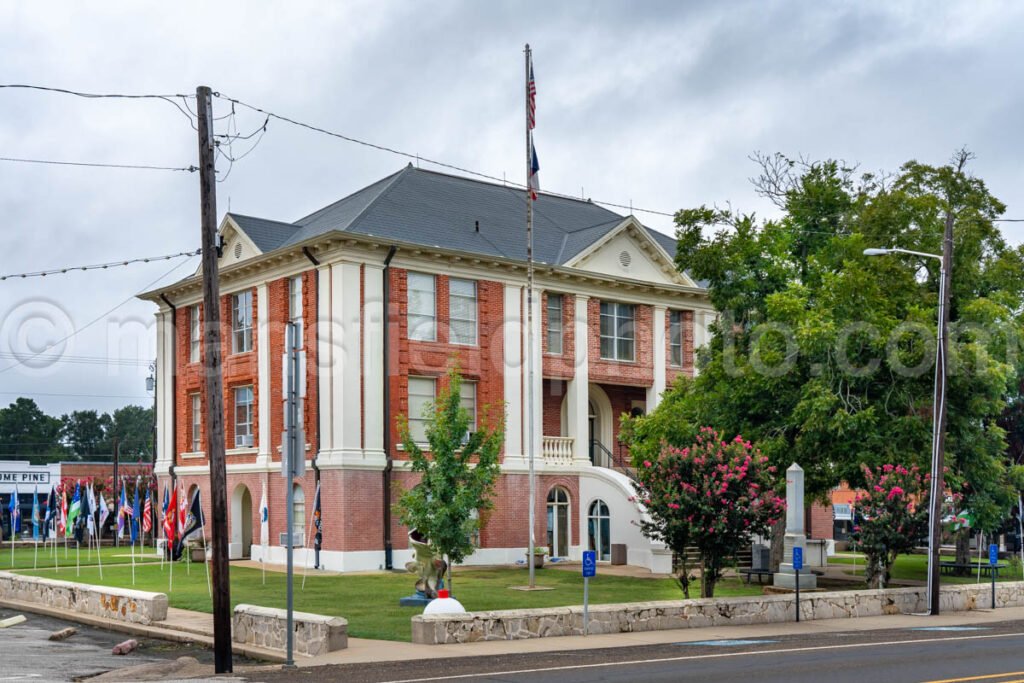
x=938 y=409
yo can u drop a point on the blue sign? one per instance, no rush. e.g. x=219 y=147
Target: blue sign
x=993 y=554
x=589 y=563
x=798 y=558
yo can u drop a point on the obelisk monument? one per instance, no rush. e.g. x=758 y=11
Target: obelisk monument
x=795 y=534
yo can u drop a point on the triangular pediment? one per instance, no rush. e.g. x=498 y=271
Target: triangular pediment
x=629 y=251
x=237 y=245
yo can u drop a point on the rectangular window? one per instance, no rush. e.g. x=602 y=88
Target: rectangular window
x=462 y=311
x=295 y=306
x=467 y=400
x=197 y=424
x=421 y=402
x=555 y=323
x=617 y=331
x=241 y=322
x=195 y=327
x=675 y=338
x=422 y=307
x=243 y=417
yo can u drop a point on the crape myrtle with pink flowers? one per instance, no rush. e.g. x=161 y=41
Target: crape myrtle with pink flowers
x=712 y=495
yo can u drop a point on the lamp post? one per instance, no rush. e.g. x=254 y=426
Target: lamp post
x=938 y=417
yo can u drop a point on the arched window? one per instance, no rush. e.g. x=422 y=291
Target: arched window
x=599 y=530
x=558 y=522
x=298 y=512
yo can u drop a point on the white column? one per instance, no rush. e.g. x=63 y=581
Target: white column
x=373 y=360
x=345 y=373
x=658 y=342
x=325 y=357
x=513 y=371
x=578 y=399
x=266 y=401
x=165 y=390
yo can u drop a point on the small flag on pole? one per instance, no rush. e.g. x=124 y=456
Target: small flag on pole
x=147 y=515
x=534 y=181
x=194 y=520
x=531 y=100
x=35 y=514
x=264 y=519
x=124 y=512
x=62 y=520
x=76 y=509
x=15 y=511
x=136 y=512
x=104 y=511
x=171 y=517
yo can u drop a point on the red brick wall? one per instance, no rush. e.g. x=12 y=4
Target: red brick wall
x=482 y=363
x=819 y=521
x=621 y=398
x=560 y=365
x=639 y=372
x=553 y=395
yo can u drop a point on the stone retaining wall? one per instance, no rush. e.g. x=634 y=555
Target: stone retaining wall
x=137 y=607
x=315 y=634
x=673 y=614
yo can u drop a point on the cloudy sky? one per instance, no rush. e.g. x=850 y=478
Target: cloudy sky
x=654 y=104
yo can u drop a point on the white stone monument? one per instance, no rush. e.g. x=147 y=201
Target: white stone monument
x=795 y=536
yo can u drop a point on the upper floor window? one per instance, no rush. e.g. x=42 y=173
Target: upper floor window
x=197 y=424
x=422 y=307
x=243 y=417
x=467 y=400
x=295 y=306
x=195 y=327
x=617 y=331
x=241 y=322
x=421 y=401
x=555 y=323
x=462 y=311
x=675 y=338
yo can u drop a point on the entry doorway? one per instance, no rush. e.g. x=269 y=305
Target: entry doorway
x=558 y=522
x=241 y=523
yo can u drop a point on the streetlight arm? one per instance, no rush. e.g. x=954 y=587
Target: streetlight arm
x=884 y=252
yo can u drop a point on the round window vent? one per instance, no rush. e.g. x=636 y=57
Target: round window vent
x=625 y=259
x=238 y=250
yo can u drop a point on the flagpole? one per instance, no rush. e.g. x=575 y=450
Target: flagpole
x=309 y=531
x=99 y=556
x=529 y=325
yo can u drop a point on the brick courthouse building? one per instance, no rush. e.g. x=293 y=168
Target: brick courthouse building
x=444 y=257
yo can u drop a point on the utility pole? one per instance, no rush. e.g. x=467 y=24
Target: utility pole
x=938 y=487
x=214 y=387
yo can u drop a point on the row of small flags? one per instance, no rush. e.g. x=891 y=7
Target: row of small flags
x=181 y=519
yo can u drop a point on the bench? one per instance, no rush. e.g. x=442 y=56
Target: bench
x=749 y=571
x=959 y=568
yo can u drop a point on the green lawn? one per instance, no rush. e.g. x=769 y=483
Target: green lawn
x=915 y=567
x=370 y=601
x=25 y=556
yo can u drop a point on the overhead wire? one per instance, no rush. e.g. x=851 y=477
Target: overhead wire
x=100 y=266
x=92 y=164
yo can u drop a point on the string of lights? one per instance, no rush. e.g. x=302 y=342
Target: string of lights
x=93 y=164
x=99 y=266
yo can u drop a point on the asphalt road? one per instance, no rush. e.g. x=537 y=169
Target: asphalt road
x=26 y=653
x=990 y=654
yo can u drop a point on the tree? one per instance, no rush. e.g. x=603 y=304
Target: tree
x=27 y=430
x=457 y=474
x=892 y=516
x=712 y=495
x=826 y=357
x=86 y=432
x=133 y=426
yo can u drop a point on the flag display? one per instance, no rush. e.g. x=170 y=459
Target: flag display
x=147 y=514
x=35 y=514
x=84 y=512
x=73 y=512
x=534 y=181
x=124 y=512
x=264 y=518
x=194 y=520
x=136 y=513
x=104 y=511
x=51 y=511
x=15 y=511
x=171 y=517
x=62 y=520
x=531 y=100
x=90 y=519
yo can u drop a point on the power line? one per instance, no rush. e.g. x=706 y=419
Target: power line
x=61 y=394
x=100 y=266
x=140 y=167
x=82 y=360
x=170 y=99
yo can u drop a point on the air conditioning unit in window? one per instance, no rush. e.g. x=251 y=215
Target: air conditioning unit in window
x=247 y=441
x=298 y=539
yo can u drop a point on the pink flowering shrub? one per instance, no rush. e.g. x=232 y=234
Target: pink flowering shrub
x=892 y=514
x=712 y=495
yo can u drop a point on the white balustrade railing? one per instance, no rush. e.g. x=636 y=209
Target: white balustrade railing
x=557 y=450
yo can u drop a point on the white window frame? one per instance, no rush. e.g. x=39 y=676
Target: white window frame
x=422 y=326
x=452 y=318
x=556 y=331
x=241 y=322
x=675 y=338
x=295 y=306
x=622 y=322
x=195 y=326
x=244 y=438
x=468 y=400
x=298 y=511
x=197 y=422
x=417 y=417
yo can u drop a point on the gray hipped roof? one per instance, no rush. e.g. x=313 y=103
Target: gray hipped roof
x=433 y=209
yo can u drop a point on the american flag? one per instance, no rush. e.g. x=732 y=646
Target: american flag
x=147 y=514
x=531 y=100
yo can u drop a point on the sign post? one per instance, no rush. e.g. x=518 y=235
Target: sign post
x=798 y=564
x=993 y=560
x=589 y=569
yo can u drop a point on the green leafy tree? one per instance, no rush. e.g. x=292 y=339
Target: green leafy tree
x=713 y=495
x=86 y=432
x=892 y=516
x=457 y=472
x=26 y=430
x=826 y=357
x=133 y=426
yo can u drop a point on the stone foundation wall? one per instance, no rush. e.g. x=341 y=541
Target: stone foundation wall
x=137 y=607
x=315 y=634
x=657 y=616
